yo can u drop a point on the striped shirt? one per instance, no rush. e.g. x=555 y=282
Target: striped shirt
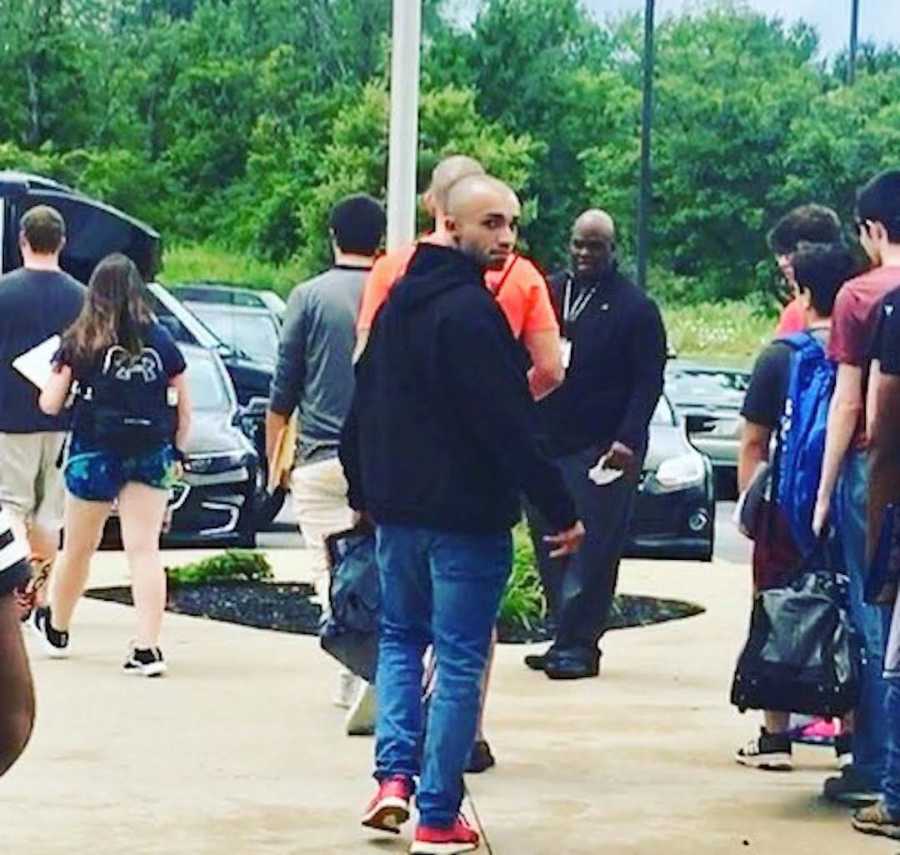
x=14 y=568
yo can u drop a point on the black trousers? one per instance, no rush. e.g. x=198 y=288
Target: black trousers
x=580 y=588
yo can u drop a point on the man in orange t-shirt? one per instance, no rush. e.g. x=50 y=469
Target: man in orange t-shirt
x=520 y=288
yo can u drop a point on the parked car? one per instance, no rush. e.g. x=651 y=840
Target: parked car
x=709 y=398
x=250 y=378
x=213 y=505
x=675 y=510
x=231 y=295
x=93 y=229
x=238 y=316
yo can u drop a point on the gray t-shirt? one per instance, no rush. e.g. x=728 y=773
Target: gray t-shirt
x=315 y=358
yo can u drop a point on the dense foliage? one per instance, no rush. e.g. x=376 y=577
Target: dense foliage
x=239 y=122
x=237 y=565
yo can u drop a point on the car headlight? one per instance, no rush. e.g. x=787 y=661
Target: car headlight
x=210 y=464
x=676 y=473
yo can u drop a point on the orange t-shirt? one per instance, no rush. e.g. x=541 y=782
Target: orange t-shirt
x=520 y=289
x=793 y=318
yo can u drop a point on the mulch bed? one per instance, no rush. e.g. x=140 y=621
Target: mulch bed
x=287 y=608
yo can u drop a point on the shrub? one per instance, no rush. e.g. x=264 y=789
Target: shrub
x=523 y=601
x=233 y=564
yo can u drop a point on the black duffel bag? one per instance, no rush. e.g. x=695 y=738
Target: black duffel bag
x=802 y=654
x=349 y=632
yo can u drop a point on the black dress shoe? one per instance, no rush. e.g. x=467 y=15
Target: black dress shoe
x=572 y=666
x=536 y=661
x=480 y=759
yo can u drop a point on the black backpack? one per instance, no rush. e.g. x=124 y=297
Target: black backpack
x=350 y=632
x=801 y=655
x=123 y=407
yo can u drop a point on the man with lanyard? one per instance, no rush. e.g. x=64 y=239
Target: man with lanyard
x=518 y=287
x=614 y=351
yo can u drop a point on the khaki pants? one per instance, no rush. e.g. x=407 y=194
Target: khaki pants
x=31 y=485
x=319 y=492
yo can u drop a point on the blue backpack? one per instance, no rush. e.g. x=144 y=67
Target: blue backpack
x=800 y=446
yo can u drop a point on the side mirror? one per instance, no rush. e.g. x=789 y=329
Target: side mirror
x=256 y=406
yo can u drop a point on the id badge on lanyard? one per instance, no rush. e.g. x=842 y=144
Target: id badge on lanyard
x=572 y=310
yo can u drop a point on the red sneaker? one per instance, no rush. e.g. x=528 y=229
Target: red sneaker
x=389 y=809
x=460 y=837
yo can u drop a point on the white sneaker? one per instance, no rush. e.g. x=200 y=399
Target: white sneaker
x=54 y=642
x=361 y=717
x=347 y=689
x=147 y=662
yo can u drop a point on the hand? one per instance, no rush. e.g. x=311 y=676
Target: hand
x=820 y=515
x=620 y=457
x=567 y=542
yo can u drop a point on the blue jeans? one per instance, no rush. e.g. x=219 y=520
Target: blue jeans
x=891 y=785
x=872 y=623
x=444 y=589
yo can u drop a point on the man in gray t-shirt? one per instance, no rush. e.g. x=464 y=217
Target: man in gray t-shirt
x=314 y=374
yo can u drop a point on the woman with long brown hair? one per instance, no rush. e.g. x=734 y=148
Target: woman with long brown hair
x=131 y=415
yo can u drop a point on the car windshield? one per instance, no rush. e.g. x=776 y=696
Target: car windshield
x=205 y=382
x=254 y=333
x=688 y=383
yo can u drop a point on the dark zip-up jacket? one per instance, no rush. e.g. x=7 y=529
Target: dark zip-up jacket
x=615 y=376
x=442 y=429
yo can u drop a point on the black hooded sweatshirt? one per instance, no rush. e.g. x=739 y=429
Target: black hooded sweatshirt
x=442 y=431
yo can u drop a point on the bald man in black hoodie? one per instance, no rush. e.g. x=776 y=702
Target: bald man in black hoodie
x=439 y=443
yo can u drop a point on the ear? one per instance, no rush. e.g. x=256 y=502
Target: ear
x=877 y=231
x=450 y=224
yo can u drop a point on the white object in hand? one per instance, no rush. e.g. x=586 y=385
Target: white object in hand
x=35 y=364
x=600 y=475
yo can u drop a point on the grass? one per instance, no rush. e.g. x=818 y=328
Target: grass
x=728 y=331
x=200 y=262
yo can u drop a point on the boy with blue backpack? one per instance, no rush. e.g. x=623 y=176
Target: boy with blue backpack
x=788 y=401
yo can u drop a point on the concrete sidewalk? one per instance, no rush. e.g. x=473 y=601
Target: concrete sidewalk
x=239 y=749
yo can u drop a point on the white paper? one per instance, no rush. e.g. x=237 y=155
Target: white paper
x=602 y=476
x=35 y=364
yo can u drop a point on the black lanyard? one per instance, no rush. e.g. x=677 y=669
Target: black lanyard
x=573 y=309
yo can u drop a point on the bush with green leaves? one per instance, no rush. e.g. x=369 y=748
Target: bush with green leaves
x=233 y=565
x=523 y=601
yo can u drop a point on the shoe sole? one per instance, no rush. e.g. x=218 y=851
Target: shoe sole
x=421 y=847
x=854 y=800
x=769 y=763
x=565 y=675
x=156 y=669
x=49 y=649
x=875 y=828
x=388 y=815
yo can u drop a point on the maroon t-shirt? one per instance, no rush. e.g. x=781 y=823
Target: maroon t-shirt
x=854 y=321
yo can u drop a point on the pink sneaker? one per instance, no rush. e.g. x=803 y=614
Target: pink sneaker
x=389 y=808
x=460 y=837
